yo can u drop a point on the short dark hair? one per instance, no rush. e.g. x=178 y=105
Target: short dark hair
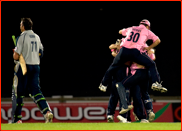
x=27 y=23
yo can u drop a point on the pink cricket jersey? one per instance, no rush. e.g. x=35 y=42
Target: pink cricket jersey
x=136 y=36
x=133 y=67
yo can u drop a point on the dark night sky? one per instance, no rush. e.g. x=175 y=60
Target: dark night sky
x=76 y=36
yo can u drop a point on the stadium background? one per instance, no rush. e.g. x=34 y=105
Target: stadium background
x=76 y=36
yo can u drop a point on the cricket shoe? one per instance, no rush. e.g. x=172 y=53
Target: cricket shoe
x=48 y=117
x=102 y=87
x=144 y=121
x=19 y=122
x=126 y=110
x=151 y=116
x=110 y=118
x=135 y=116
x=158 y=87
x=122 y=119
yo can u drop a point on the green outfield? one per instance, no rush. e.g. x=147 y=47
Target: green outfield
x=93 y=126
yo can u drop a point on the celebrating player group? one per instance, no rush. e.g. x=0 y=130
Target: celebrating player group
x=136 y=59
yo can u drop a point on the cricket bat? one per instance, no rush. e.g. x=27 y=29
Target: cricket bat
x=21 y=59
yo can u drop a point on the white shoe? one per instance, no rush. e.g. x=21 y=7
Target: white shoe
x=48 y=117
x=158 y=87
x=136 y=118
x=151 y=116
x=110 y=118
x=144 y=121
x=126 y=110
x=122 y=119
x=19 y=122
x=102 y=88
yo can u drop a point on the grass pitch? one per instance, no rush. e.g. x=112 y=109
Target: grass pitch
x=93 y=126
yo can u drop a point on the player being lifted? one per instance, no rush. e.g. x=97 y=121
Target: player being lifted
x=136 y=36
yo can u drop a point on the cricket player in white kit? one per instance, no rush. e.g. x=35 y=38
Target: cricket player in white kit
x=29 y=45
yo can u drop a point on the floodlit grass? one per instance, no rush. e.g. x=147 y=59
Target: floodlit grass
x=93 y=126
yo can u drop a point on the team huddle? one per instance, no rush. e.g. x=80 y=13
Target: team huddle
x=133 y=70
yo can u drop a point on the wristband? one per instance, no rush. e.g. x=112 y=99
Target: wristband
x=112 y=50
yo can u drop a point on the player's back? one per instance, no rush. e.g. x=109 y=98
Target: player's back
x=31 y=46
x=136 y=36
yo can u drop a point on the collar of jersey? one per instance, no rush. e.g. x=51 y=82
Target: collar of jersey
x=26 y=31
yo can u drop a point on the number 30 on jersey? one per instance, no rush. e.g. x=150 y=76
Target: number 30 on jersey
x=134 y=37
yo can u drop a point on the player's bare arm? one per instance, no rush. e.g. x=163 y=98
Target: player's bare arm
x=114 y=54
x=16 y=56
x=154 y=58
x=114 y=46
x=120 y=32
x=153 y=45
x=151 y=51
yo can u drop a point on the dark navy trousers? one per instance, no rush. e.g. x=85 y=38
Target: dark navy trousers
x=114 y=97
x=139 y=86
x=30 y=82
x=134 y=55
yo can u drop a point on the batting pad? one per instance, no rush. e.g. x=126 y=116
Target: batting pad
x=122 y=94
